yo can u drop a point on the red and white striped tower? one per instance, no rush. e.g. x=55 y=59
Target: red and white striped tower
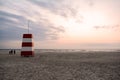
x=27 y=44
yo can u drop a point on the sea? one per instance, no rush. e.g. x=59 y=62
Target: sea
x=63 y=50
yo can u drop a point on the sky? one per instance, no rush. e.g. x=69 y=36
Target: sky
x=61 y=24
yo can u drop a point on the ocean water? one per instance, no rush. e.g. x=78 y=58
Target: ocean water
x=63 y=50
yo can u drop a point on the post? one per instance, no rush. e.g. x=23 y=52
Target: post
x=28 y=26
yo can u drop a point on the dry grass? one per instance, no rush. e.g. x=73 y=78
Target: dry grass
x=61 y=66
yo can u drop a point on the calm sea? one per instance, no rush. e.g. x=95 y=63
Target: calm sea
x=64 y=50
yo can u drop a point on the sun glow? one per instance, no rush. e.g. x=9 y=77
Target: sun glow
x=94 y=18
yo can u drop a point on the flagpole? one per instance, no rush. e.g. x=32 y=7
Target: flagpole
x=28 y=26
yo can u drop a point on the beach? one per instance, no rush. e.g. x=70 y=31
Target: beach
x=60 y=66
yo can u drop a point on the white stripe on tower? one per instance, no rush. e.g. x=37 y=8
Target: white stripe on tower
x=27 y=45
x=27 y=40
x=27 y=49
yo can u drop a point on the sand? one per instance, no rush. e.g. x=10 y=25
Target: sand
x=61 y=66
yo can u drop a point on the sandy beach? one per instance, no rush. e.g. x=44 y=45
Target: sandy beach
x=61 y=66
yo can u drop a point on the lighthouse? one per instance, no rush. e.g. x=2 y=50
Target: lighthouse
x=27 y=44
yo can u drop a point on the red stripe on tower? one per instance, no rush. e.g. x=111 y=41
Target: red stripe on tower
x=27 y=45
x=27 y=36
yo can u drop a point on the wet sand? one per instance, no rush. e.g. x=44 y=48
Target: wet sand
x=61 y=66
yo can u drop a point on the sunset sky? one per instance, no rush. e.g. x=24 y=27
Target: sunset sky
x=61 y=24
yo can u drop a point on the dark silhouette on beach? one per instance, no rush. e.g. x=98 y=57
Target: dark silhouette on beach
x=12 y=52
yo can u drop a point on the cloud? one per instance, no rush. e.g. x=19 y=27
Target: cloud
x=91 y=3
x=63 y=8
x=14 y=16
x=7 y=19
x=11 y=26
x=114 y=27
x=46 y=32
